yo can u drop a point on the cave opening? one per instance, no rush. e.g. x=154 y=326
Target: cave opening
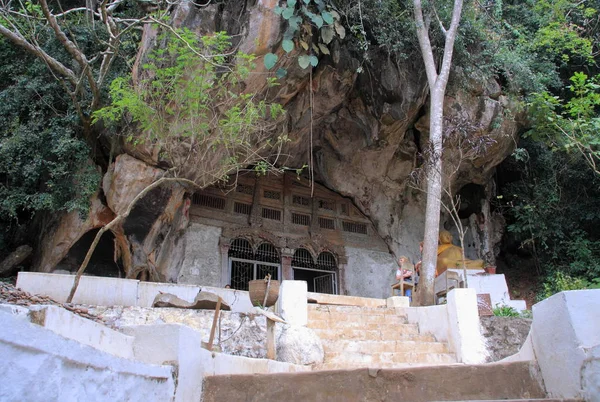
x=103 y=261
x=471 y=196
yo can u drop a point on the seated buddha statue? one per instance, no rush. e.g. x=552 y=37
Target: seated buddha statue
x=450 y=256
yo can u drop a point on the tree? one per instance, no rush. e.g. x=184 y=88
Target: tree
x=188 y=105
x=573 y=124
x=437 y=90
x=84 y=71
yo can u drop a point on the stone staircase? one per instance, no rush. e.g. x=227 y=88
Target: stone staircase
x=375 y=337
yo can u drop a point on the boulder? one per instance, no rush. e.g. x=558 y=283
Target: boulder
x=299 y=345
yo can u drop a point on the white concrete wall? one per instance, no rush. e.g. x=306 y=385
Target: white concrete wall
x=432 y=320
x=495 y=285
x=369 y=273
x=202 y=261
x=100 y=291
x=464 y=327
x=566 y=339
x=158 y=344
x=292 y=304
x=38 y=364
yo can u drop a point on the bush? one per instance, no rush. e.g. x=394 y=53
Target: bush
x=505 y=311
x=558 y=281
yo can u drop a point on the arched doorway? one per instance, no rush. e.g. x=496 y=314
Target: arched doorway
x=246 y=263
x=321 y=275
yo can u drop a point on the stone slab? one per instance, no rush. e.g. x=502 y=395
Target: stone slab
x=452 y=382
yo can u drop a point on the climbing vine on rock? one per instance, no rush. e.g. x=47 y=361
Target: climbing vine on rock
x=303 y=17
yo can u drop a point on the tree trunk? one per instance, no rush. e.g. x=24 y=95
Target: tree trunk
x=437 y=90
x=8 y=265
x=434 y=193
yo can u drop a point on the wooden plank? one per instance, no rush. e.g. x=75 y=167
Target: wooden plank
x=270 y=339
x=214 y=324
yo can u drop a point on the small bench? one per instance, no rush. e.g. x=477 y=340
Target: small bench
x=404 y=284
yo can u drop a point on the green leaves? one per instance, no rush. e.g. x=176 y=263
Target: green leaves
x=327 y=17
x=307 y=60
x=270 y=60
x=287 y=45
x=304 y=61
x=302 y=17
x=287 y=13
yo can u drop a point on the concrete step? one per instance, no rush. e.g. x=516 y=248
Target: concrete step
x=405 y=332
x=316 y=308
x=365 y=318
x=387 y=359
x=374 y=347
x=455 y=382
x=333 y=366
x=359 y=325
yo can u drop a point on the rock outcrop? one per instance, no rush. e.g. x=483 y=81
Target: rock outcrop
x=365 y=131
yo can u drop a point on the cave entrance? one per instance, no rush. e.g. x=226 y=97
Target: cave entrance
x=103 y=261
x=470 y=200
x=321 y=277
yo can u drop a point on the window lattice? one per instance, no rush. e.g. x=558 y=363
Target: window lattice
x=272 y=195
x=241 y=208
x=300 y=200
x=326 y=223
x=345 y=209
x=245 y=189
x=240 y=248
x=326 y=261
x=268 y=253
x=273 y=214
x=327 y=204
x=208 y=201
x=257 y=265
x=354 y=227
x=300 y=219
x=303 y=259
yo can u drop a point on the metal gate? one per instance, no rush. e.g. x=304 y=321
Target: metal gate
x=325 y=284
x=242 y=271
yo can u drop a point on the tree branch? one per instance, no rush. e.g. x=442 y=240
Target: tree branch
x=56 y=66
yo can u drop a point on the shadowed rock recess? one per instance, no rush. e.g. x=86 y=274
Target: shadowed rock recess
x=365 y=132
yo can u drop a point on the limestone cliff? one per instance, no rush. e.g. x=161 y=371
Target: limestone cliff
x=366 y=132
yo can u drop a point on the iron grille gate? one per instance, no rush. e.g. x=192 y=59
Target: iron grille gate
x=326 y=283
x=242 y=271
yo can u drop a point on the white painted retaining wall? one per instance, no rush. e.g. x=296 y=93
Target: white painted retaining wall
x=565 y=334
x=157 y=344
x=456 y=322
x=38 y=364
x=102 y=291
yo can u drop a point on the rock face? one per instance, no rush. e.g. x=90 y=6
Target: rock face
x=147 y=240
x=299 y=345
x=367 y=131
x=504 y=335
